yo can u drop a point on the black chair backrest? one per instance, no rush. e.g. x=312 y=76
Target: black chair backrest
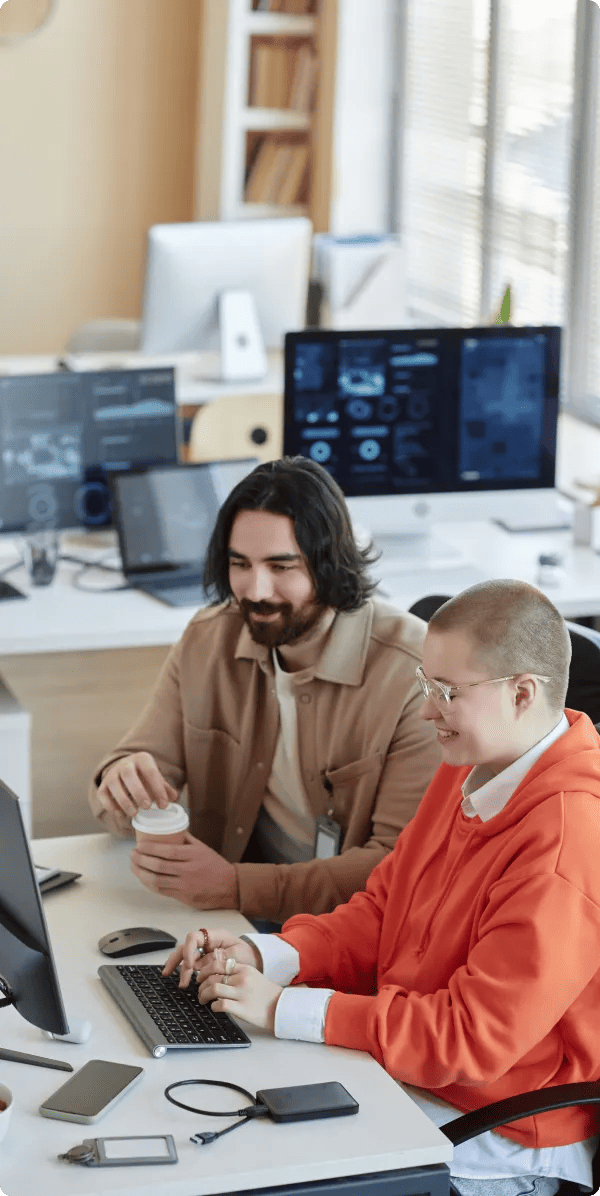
x=583 y=692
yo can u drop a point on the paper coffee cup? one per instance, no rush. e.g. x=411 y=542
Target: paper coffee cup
x=162 y=826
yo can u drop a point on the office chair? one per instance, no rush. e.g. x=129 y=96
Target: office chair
x=583 y=692
x=105 y=336
x=238 y=425
x=527 y=1104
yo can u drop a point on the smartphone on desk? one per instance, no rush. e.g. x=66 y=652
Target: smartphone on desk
x=92 y=1091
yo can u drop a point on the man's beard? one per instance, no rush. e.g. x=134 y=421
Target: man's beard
x=291 y=625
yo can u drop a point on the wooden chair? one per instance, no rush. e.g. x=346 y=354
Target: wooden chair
x=238 y=425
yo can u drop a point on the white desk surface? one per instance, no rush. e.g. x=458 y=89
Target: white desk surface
x=60 y=618
x=389 y=1132
x=493 y=552
x=196 y=374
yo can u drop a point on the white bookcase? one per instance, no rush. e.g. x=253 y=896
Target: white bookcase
x=231 y=129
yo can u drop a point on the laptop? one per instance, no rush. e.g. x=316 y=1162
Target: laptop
x=164 y=516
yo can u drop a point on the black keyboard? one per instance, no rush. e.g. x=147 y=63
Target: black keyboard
x=164 y=1015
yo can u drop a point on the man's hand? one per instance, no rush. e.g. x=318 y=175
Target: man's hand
x=191 y=873
x=132 y=784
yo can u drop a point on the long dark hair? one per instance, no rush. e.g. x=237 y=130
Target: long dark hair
x=308 y=495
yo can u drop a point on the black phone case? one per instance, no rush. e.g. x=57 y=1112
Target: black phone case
x=306 y=1101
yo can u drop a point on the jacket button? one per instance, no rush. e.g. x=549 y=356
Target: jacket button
x=239 y=830
x=260 y=764
x=305 y=698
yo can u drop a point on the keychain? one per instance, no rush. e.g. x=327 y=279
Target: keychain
x=123 y=1152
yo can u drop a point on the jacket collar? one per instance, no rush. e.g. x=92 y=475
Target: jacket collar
x=344 y=655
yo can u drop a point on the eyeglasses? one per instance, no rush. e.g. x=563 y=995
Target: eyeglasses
x=442 y=694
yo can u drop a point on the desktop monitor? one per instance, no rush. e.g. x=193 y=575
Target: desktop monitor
x=190 y=266
x=28 y=978
x=421 y=425
x=62 y=434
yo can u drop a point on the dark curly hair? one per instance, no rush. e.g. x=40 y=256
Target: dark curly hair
x=309 y=496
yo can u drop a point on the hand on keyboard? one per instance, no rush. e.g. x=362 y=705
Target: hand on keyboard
x=188 y=955
x=238 y=989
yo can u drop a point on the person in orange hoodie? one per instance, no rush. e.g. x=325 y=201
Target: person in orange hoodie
x=470 y=965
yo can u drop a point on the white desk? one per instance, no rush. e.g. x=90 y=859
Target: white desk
x=494 y=552
x=388 y=1133
x=197 y=378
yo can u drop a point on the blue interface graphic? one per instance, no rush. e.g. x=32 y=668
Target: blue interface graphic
x=423 y=411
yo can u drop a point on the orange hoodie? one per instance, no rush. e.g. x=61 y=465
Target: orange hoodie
x=470 y=966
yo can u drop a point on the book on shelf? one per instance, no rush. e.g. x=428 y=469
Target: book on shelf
x=270 y=74
x=293 y=175
x=268 y=171
x=304 y=78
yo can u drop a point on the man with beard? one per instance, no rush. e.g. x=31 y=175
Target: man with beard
x=289 y=710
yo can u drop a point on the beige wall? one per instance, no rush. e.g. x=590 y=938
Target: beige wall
x=97 y=128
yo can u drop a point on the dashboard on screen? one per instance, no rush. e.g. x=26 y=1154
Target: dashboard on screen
x=425 y=411
x=62 y=434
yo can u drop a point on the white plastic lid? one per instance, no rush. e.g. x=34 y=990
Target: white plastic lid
x=161 y=822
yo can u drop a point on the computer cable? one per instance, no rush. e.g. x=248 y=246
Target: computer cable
x=247 y=1113
x=86 y=566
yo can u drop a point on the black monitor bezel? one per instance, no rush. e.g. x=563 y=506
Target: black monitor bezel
x=547 y=476
x=26 y=958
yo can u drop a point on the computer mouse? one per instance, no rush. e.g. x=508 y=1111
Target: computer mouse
x=134 y=940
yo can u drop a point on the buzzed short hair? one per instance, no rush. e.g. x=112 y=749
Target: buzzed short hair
x=516 y=628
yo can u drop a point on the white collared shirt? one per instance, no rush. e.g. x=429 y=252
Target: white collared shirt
x=486 y=795
x=301 y=1012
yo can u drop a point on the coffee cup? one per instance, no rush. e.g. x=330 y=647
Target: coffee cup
x=161 y=825
x=6 y=1101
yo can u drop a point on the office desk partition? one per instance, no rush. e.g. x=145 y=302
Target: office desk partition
x=389 y=1139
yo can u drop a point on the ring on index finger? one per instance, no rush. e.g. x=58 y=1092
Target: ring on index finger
x=229 y=965
x=203 y=950
x=225 y=979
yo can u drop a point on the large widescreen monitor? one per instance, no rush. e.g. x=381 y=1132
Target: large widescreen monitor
x=62 y=434
x=426 y=424
x=189 y=266
x=28 y=978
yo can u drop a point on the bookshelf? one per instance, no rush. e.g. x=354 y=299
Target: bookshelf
x=266 y=87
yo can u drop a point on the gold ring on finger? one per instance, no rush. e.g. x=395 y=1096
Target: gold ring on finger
x=225 y=979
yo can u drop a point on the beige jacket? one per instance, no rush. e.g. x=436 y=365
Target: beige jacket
x=365 y=755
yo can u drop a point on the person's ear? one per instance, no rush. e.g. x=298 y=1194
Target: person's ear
x=525 y=688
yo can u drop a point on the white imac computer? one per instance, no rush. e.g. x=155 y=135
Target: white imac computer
x=424 y=425
x=235 y=285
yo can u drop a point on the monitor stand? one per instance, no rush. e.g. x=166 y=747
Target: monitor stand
x=408 y=552
x=243 y=356
x=10 y=1056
